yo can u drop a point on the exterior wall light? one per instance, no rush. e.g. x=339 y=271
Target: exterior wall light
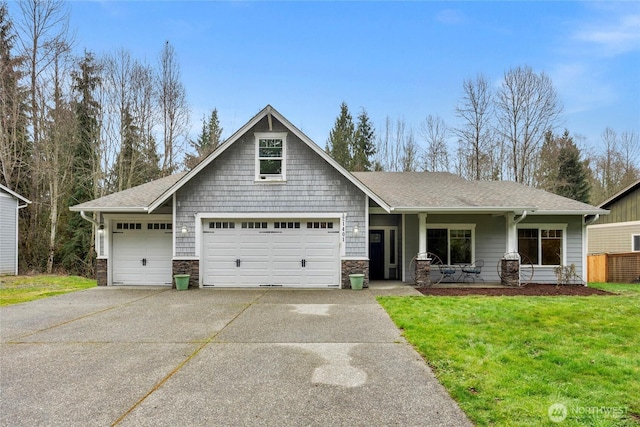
x=356 y=230
x=184 y=229
x=101 y=229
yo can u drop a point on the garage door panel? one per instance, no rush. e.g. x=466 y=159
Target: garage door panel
x=142 y=256
x=273 y=255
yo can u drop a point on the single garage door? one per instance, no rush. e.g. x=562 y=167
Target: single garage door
x=142 y=253
x=295 y=253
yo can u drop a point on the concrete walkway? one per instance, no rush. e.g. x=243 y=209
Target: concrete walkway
x=160 y=357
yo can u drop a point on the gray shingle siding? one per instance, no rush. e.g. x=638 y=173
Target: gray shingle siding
x=228 y=185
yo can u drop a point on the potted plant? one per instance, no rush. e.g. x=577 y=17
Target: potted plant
x=182 y=281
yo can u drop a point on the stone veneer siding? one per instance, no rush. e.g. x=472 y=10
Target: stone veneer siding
x=354 y=267
x=423 y=272
x=101 y=272
x=191 y=267
x=510 y=272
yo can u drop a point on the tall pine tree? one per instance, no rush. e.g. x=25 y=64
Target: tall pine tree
x=209 y=139
x=341 y=138
x=561 y=170
x=77 y=254
x=363 y=144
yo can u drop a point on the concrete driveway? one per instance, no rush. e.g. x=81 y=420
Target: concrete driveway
x=140 y=356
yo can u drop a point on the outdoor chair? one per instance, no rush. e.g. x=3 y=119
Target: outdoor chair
x=447 y=272
x=472 y=271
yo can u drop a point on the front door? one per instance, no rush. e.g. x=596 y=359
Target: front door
x=376 y=255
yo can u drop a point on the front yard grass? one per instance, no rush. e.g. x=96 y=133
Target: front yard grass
x=17 y=289
x=507 y=360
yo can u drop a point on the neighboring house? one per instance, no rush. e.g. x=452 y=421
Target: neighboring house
x=618 y=232
x=269 y=207
x=10 y=203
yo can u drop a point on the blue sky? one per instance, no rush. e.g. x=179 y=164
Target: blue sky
x=401 y=59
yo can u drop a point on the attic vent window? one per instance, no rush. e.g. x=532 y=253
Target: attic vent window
x=270 y=156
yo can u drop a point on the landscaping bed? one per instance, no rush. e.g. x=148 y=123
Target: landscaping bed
x=532 y=289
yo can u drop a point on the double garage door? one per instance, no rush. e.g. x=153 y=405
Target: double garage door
x=296 y=253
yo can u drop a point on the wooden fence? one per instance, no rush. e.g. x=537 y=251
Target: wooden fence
x=614 y=268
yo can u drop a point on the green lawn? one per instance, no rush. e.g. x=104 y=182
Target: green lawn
x=507 y=360
x=17 y=289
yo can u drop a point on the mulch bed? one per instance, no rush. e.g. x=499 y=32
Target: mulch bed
x=530 y=289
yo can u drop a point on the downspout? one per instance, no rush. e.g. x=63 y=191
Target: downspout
x=523 y=216
x=91 y=220
x=592 y=220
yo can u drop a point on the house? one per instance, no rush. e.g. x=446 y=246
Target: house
x=10 y=203
x=614 y=239
x=618 y=232
x=269 y=207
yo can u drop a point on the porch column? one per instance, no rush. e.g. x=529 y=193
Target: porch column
x=422 y=230
x=512 y=234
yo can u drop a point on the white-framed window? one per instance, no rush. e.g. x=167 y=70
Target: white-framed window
x=452 y=243
x=543 y=244
x=635 y=242
x=271 y=157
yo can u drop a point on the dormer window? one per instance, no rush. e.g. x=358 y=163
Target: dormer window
x=270 y=156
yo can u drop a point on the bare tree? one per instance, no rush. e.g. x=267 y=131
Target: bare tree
x=434 y=133
x=475 y=110
x=173 y=105
x=527 y=106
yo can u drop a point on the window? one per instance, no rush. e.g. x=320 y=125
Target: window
x=452 y=245
x=635 y=243
x=543 y=246
x=270 y=156
x=222 y=224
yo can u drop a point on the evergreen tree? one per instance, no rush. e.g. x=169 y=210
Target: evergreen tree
x=561 y=170
x=15 y=145
x=341 y=138
x=363 y=144
x=209 y=139
x=75 y=255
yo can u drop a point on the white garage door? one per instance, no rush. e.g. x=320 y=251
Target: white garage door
x=142 y=253
x=296 y=253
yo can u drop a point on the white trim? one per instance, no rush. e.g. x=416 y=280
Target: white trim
x=16 y=195
x=614 y=224
x=455 y=226
x=185 y=258
x=173 y=220
x=386 y=229
x=353 y=258
x=108 y=219
x=282 y=177
x=549 y=226
x=404 y=247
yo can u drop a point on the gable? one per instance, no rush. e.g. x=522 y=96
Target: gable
x=229 y=184
x=275 y=122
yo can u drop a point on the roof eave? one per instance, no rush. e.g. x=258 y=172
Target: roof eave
x=465 y=209
x=16 y=195
x=594 y=211
x=111 y=209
